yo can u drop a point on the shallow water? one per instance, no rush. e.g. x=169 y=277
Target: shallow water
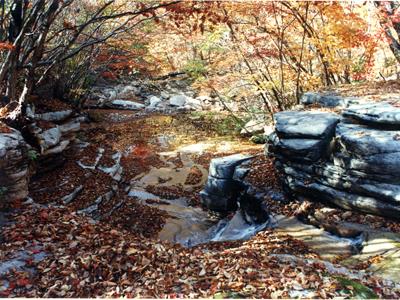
x=190 y=226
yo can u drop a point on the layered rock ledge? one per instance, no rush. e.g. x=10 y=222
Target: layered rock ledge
x=14 y=166
x=349 y=159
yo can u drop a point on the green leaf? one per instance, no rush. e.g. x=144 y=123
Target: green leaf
x=360 y=291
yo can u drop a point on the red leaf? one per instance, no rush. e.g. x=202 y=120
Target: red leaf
x=23 y=282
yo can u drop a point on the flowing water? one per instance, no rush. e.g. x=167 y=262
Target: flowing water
x=190 y=226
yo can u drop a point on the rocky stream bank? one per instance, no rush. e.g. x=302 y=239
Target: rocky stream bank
x=123 y=211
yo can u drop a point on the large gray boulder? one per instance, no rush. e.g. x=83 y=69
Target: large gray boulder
x=380 y=113
x=178 y=100
x=305 y=124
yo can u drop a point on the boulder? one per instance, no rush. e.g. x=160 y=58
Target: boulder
x=178 y=100
x=253 y=127
x=14 y=167
x=380 y=113
x=125 y=104
x=224 y=167
x=222 y=187
x=56 y=116
x=305 y=124
x=222 y=190
x=49 y=138
x=154 y=101
x=326 y=100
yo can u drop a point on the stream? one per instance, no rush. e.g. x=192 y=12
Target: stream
x=190 y=226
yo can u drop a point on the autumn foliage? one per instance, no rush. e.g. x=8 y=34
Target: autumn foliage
x=262 y=53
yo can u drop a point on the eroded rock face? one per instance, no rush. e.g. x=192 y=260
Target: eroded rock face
x=14 y=174
x=350 y=165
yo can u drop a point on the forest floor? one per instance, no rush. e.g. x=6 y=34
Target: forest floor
x=49 y=249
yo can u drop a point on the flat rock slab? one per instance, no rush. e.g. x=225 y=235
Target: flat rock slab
x=325 y=244
x=300 y=149
x=353 y=182
x=325 y=100
x=346 y=200
x=125 y=104
x=385 y=244
x=363 y=141
x=305 y=124
x=54 y=116
x=382 y=164
x=381 y=113
x=224 y=167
